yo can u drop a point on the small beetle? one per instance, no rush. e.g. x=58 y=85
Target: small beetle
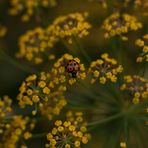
x=72 y=67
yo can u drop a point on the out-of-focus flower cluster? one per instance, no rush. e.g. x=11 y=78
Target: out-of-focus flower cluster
x=69 y=133
x=136 y=86
x=18 y=128
x=143 y=43
x=13 y=127
x=105 y=69
x=5 y=107
x=3 y=30
x=29 y=7
x=35 y=45
x=120 y=24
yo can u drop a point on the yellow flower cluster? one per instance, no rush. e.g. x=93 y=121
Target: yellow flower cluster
x=18 y=127
x=37 y=90
x=3 y=30
x=136 y=86
x=5 y=107
x=105 y=69
x=120 y=24
x=69 y=134
x=35 y=45
x=143 y=43
x=61 y=73
x=28 y=7
x=71 y=25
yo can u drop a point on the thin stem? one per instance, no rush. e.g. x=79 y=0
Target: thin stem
x=17 y=64
x=109 y=119
x=68 y=48
x=83 y=51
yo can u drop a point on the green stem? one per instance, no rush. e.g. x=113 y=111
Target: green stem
x=72 y=51
x=17 y=64
x=109 y=119
x=81 y=49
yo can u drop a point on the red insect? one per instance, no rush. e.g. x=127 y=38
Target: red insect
x=73 y=68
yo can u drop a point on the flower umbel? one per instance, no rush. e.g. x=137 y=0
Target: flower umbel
x=36 y=44
x=40 y=91
x=74 y=24
x=68 y=133
x=18 y=127
x=136 y=86
x=120 y=24
x=105 y=69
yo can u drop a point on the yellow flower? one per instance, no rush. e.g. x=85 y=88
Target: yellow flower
x=105 y=69
x=27 y=135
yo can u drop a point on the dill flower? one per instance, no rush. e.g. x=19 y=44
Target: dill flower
x=136 y=86
x=104 y=69
x=69 y=133
x=68 y=69
x=120 y=24
x=73 y=24
x=17 y=128
x=5 y=107
x=3 y=30
x=35 y=44
x=143 y=43
x=28 y=8
x=37 y=90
